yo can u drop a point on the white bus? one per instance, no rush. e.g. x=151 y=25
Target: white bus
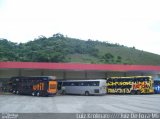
x=83 y=87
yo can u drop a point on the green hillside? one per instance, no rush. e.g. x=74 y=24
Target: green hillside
x=59 y=48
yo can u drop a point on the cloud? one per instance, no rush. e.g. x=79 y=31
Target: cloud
x=131 y=23
x=155 y=26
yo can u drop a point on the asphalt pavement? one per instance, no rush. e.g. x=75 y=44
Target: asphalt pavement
x=80 y=104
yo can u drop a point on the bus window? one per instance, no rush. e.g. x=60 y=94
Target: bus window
x=109 y=80
x=114 y=87
x=127 y=86
x=44 y=78
x=96 y=83
x=66 y=83
x=109 y=86
x=71 y=83
x=130 y=79
x=122 y=80
x=17 y=79
x=89 y=83
x=116 y=80
x=135 y=80
x=140 y=80
x=86 y=84
x=113 y=80
x=76 y=83
x=81 y=84
x=147 y=79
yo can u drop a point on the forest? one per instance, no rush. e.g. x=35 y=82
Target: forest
x=60 y=48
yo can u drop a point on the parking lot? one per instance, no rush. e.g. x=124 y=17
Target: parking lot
x=80 y=104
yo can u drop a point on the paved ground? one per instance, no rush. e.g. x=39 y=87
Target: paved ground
x=80 y=104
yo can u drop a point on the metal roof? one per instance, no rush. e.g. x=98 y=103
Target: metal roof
x=77 y=66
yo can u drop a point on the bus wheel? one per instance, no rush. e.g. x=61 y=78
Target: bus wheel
x=17 y=92
x=38 y=94
x=33 y=93
x=118 y=92
x=86 y=93
x=14 y=91
x=138 y=92
x=45 y=95
x=63 y=92
x=133 y=92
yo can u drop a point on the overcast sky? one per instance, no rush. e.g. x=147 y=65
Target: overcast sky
x=127 y=22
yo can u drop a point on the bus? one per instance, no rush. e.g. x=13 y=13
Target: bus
x=130 y=85
x=83 y=87
x=157 y=86
x=35 y=86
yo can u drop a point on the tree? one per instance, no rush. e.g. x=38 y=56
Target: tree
x=108 y=58
x=119 y=59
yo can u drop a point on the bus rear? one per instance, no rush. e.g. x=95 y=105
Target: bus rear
x=52 y=87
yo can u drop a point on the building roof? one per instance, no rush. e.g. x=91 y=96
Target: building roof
x=77 y=66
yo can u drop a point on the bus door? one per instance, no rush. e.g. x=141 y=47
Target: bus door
x=59 y=85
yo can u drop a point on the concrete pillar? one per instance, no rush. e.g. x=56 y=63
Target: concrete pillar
x=106 y=75
x=64 y=75
x=42 y=72
x=86 y=75
x=20 y=72
x=142 y=74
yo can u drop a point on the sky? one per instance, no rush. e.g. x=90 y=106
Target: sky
x=127 y=22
